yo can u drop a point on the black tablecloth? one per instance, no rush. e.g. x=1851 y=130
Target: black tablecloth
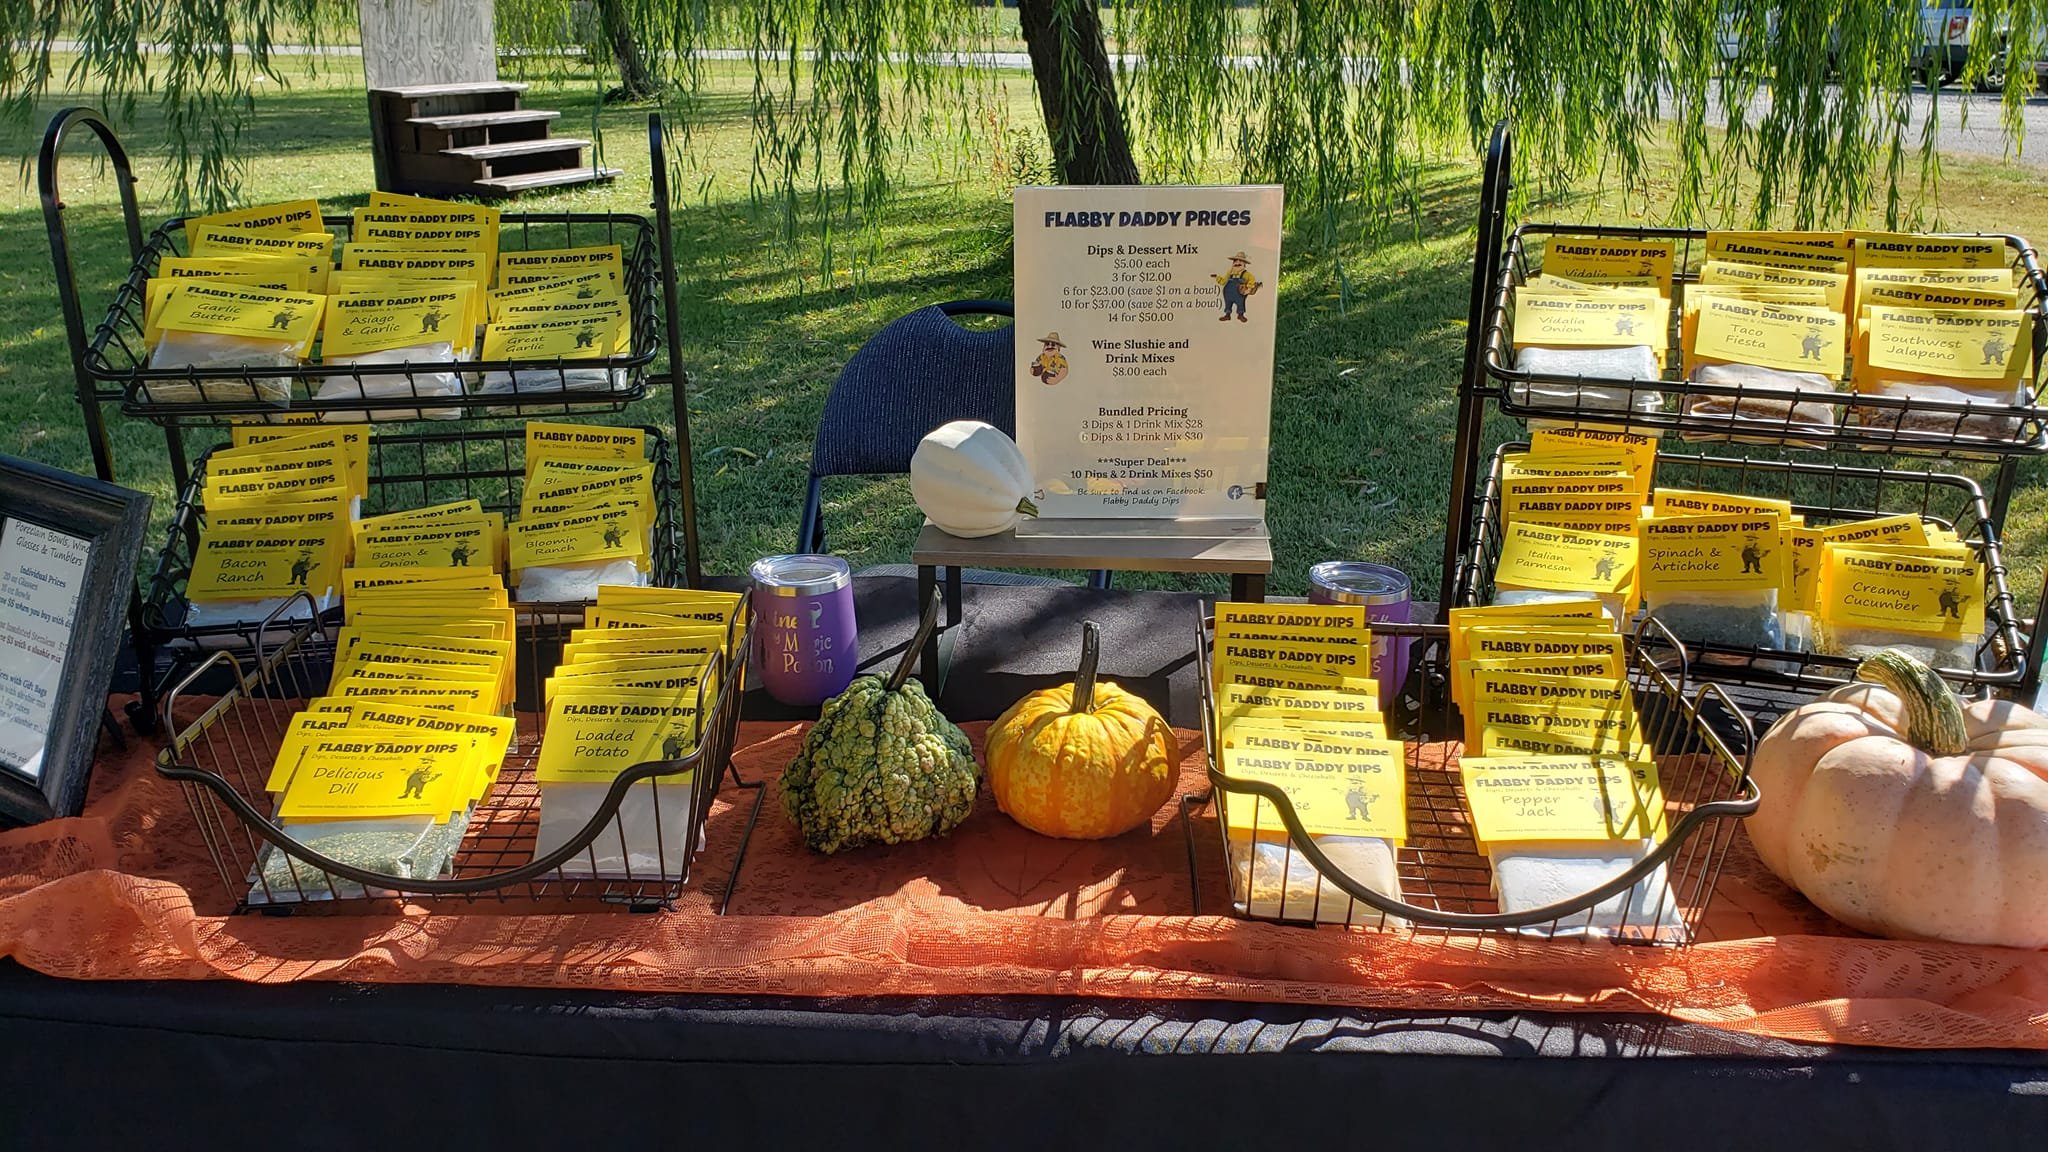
x=318 y=1066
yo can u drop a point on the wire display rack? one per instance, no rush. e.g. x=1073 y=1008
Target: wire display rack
x=1701 y=737
x=222 y=758
x=117 y=357
x=1836 y=444
x=110 y=368
x=1824 y=493
x=407 y=470
x=1862 y=421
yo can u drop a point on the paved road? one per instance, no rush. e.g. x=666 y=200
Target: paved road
x=1969 y=123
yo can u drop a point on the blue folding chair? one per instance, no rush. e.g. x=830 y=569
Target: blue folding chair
x=917 y=373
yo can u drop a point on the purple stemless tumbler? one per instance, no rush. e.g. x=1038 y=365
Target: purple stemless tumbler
x=805 y=642
x=1384 y=592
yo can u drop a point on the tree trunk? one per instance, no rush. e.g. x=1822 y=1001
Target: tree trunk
x=636 y=80
x=1077 y=91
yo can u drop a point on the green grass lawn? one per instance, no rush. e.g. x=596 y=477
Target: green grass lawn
x=1363 y=394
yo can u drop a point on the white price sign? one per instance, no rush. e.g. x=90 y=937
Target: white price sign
x=1145 y=323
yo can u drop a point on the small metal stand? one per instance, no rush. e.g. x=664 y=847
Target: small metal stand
x=1242 y=548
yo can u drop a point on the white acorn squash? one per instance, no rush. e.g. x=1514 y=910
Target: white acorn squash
x=970 y=479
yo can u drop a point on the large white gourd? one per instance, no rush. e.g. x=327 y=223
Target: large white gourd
x=970 y=479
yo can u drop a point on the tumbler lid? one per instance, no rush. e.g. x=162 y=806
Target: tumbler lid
x=1360 y=582
x=801 y=574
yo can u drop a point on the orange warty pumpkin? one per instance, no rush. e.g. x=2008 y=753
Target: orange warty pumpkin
x=1082 y=761
x=1900 y=812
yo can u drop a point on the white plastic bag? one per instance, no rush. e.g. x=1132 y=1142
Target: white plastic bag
x=203 y=351
x=1282 y=884
x=575 y=583
x=401 y=386
x=647 y=840
x=1591 y=397
x=540 y=383
x=1535 y=874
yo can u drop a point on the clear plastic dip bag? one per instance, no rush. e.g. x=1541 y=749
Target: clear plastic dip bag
x=1933 y=651
x=1535 y=874
x=575 y=583
x=1282 y=884
x=201 y=352
x=647 y=840
x=219 y=613
x=404 y=847
x=1593 y=395
x=540 y=383
x=1740 y=618
x=395 y=386
x=1761 y=419
x=1987 y=426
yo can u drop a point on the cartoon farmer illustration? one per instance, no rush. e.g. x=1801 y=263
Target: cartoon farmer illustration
x=302 y=568
x=1624 y=325
x=1994 y=349
x=1753 y=556
x=416 y=782
x=672 y=746
x=430 y=320
x=458 y=556
x=1050 y=366
x=1953 y=601
x=587 y=292
x=1238 y=285
x=612 y=536
x=1358 y=803
x=283 y=320
x=1809 y=348
x=586 y=337
x=1603 y=569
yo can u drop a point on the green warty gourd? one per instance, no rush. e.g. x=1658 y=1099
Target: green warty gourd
x=879 y=767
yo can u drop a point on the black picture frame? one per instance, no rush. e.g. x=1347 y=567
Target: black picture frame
x=112 y=521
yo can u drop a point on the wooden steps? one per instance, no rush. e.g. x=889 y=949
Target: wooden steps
x=472 y=139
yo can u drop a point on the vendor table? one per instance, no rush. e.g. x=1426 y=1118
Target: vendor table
x=340 y=1065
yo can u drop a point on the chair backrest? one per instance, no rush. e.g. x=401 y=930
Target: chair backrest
x=917 y=373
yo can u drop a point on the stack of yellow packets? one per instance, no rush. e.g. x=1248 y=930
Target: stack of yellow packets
x=1896 y=582
x=1601 y=308
x=1938 y=319
x=1297 y=707
x=558 y=304
x=1568 y=510
x=633 y=686
x=383 y=770
x=1768 y=312
x=1562 y=788
x=586 y=513
x=277 y=505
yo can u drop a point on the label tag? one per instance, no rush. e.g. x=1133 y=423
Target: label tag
x=1523 y=798
x=516 y=269
x=284 y=216
x=594 y=734
x=1338 y=787
x=1907 y=250
x=549 y=340
x=237 y=310
x=1592 y=259
x=1893 y=591
x=1967 y=343
x=1604 y=321
x=373 y=323
x=1554 y=558
x=379 y=773
x=1711 y=553
x=1784 y=336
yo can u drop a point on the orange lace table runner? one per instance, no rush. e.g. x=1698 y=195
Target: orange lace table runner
x=128 y=892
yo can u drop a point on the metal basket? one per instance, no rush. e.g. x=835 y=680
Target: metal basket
x=1702 y=741
x=1824 y=493
x=1871 y=422
x=411 y=470
x=118 y=356
x=222 y=758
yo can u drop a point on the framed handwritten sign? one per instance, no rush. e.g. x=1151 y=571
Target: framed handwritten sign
x=67 y=563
